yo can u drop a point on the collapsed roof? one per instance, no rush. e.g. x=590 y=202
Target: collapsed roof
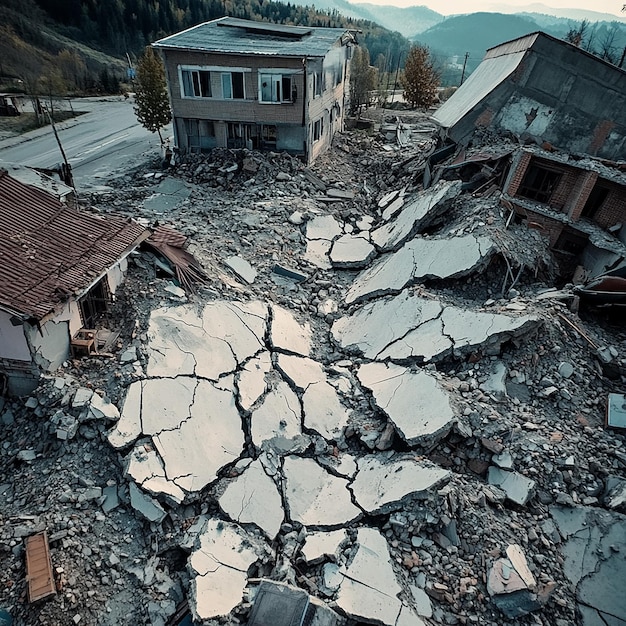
x=51 y=251
x=545 y=89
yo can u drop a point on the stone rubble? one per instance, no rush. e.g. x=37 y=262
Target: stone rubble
x=381 y=456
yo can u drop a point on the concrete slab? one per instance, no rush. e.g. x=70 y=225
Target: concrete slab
x=169 y=193
x=351 y=252
x=287 y=333
x=251 y=383
x=128 y=427
x=219 y=568
x=314 y=497
x=369 y=591
x=242 y=268
x=253 y=498
x=145 y=467
x=407 y=327
x=146 y=506
x=322 y=545
x=277 y=423
x=316 y=253
x=419 y=260
x=418 y=212
x=517 y=487
x=413 y=400
x=320 y=232
x=384 y=486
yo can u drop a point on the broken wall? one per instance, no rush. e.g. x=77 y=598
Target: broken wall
x=558 y=94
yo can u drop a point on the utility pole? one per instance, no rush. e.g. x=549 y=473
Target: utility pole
x=66 y=168
x=395 y=84
x=464 y=65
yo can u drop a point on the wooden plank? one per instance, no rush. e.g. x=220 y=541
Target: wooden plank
x=39 y=568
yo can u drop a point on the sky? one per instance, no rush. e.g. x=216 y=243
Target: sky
x=449 y=7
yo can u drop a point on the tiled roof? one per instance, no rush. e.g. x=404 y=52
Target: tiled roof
x=49 y=251
x=228 y=35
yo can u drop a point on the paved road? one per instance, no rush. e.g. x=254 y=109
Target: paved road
x=100 y=144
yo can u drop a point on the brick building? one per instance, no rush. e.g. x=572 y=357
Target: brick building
x=238 y=83
x=575 y=202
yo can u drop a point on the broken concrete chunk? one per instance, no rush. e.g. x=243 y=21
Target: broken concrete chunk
x=276 y=422
x=323 y=227
x=242 y=268
x=253 y=498
x=418 y=212
x=317 y=251
x=81 y=397
x=351 y=252
x=146 y=468
x=102 y=408
x=409 y=327
x=369 y=591
x=251 y=382
x=413 y=400
x=315 y=497
x=288 y=334
x=381 y=487
x=66 y=425
x=219 y=568
x=145 y=505
x=321 y=545
x=128 y=427
x=517 y=487
x=418 y=260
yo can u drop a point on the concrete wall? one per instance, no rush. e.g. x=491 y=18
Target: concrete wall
x=561 y=95
x=13 y=344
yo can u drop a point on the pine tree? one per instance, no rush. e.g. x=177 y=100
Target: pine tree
x=152 y=106
x=420 y=79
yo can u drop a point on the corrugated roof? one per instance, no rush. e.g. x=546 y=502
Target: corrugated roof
x=228 y=35
x=485 y=78
x=49 y=251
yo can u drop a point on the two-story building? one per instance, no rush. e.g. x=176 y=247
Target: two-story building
x=243 y=84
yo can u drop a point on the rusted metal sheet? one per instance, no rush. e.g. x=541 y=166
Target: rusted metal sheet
x=39 y=568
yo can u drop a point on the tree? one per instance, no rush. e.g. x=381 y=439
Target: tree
x=420 y=80
x=152 y=106
x=362 y=79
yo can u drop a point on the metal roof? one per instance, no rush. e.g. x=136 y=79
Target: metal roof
x=482 y=81
x=228 y=35
x=50 y=251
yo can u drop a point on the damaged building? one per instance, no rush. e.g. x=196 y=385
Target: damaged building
x=60 y=268
x=241 y=84
x=545 y=90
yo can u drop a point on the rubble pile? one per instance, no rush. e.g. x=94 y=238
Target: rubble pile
x=376 y=398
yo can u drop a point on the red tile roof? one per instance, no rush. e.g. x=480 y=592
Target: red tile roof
x=49 y=251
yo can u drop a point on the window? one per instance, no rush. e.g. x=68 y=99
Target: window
x=196 y=83
x=539 y=183
x=95 y=303
x=200 y=135
x=268 y=135
x=275 y=88
x=232 y=86
x=318 y=129
x=318 y=86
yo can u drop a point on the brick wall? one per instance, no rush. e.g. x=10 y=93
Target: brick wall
x=518 y=174
x=613 y=211
x=580 y=194
x=547 y=226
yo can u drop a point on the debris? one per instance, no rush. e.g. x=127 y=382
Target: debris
x=39 y=568
x=517 y=487
x=242 y=268
x=289 y=273
x=616 y=411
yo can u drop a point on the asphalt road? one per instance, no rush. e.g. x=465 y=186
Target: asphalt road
x=103 y=143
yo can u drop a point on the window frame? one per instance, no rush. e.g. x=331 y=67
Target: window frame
x=279 y=77
x=231 y=86
x=194 y=70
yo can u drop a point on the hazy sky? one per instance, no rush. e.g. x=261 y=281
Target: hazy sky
x=448 y=7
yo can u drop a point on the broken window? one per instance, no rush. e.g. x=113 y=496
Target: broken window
x=539 y=183
x=242 y=135
x=318 y=129
x=275 y=88
x=595 y=201
x=95 y=303
x=196 y=83
x=318 y=85
x=200 y=134
x=232 y=86
x=268 y=135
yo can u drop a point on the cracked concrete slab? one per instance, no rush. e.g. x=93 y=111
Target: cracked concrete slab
x=369 y=590
x=517 y=487
x=321 y=545
x=320 y=232
x=219 y=567
x=594 y=563
x=145 y=505
x=288 y=334
x=406 y=327
x=323 y=411
x=128 y=427
x=414 y=401
x=145 y=467
x=253 y=498
x=421 y=259
x=351 y=252
x=417 y=213
x=276 y=422
x=242 y=268
x=382 y=486
x=314 y=496
x=251 y=382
